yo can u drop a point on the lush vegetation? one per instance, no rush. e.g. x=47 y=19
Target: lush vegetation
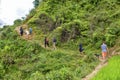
x=111 y=71
x=72 y=22
x=21 y=59
x=78 y=20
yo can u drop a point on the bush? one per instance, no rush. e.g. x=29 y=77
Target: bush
x=62 y=74
x=37 y=76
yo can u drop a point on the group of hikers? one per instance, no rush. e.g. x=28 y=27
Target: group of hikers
x=54 y=41
x=27 y=32
x=46 y=41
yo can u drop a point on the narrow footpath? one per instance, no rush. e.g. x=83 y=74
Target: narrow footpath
x=102 y=64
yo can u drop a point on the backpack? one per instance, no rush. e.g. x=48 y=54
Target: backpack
x=54 y=40
x=30 y=30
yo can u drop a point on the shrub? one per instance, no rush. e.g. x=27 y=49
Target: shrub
x=62 y=74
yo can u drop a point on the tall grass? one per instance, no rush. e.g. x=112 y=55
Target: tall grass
x=111 y=71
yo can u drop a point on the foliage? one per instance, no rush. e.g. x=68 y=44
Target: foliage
x=21 y=59
x=78 y=19
x=18 y=22
x=105 y=73
x=36 y=3
x=72 y=22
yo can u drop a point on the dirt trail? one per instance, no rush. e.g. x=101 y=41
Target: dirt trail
x=97 y=69
x=102 y=63
x=30 y=37
x=25 y=27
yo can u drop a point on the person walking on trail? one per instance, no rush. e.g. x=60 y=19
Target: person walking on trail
x=30 y=31
x=46 y=42
x=21 y=31
x=104 y=50
x=54 y=43
x=80 y=48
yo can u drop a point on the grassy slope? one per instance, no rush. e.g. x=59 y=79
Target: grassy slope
x=21 y=59
x=111 y=71
x=29 y=62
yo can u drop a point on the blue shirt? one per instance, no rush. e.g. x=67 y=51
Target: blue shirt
x=104 y=47
x=80 y=48
x=30 y=30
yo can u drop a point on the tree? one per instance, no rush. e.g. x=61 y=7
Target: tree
x=18 y=22
x=36 y=3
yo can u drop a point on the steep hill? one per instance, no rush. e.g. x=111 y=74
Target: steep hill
x=72 y=22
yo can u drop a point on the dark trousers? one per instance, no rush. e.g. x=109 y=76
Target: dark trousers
x=46 y=44
x=21 y=33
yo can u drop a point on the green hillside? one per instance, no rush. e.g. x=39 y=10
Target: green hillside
x=72 y=22
x=78 y=20
x=27 y=60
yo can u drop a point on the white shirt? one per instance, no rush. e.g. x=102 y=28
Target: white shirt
x=27 y=32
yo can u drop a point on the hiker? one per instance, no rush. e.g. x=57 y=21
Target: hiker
x=30 y=31
x=27 y=33
x=80 y=48
x=46 y=42
x=21 y=31
x=104 y=50
x=54 y=43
